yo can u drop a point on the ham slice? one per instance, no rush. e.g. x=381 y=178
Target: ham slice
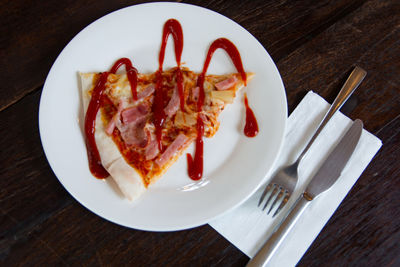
x=135 y=113
x=132 y=126
x=173 y=104
x=195 y=93
x=134 y=133
x=130 y=114
x=203 y=117
x=113 y=122
x=111 y=125
x=226 y=84
x=172 y=149
x=149 y=90
x=152 y=149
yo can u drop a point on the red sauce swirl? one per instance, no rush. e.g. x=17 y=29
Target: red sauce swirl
x=173 y=27
x=131 y=72
x=195 y=166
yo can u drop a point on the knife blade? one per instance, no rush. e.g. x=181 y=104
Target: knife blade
x=332 y=167
x=324 y=178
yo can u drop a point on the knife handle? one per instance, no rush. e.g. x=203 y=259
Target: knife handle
x=265 y=254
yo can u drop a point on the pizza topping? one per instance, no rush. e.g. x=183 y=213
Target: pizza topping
x=195 y=93
x=149 y=90
x=141 y=131
x=226 y=96
x=173 y=104
x=183 y=119
x=179 y=81
x=158 y=109
x=152 y=149
x=113 y=122
x=172 y=149
x=135 y=113
x=226 y=84
x=173 y=27
x=134 y=133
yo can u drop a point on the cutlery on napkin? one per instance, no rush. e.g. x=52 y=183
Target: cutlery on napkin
x=247 y=226
x=322 y=181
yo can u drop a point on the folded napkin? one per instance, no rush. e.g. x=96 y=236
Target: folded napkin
x=247 y=226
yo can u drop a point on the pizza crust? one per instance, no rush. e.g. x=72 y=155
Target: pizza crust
x=127 y=178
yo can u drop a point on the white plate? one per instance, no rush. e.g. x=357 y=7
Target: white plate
x=234 y=165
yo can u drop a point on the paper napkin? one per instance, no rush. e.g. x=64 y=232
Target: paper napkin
x=247 y=226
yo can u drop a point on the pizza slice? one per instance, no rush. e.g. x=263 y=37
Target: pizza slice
x=125 y=130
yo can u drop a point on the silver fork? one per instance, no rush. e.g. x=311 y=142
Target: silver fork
x=284 y=181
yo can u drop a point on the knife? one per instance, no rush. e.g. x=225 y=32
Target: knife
x=325 y=177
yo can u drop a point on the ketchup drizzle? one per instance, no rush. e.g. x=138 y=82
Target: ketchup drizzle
x=97 y=99
x=251 y=127
x=158 y=109
x=95 y=165
x=173 y=27
x=195 y=169
x=131 y=72
x=195 y=166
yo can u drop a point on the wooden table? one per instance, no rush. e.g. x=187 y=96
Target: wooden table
x=315 y=45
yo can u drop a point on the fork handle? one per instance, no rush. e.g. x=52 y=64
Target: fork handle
x=264 y=255
x=351 y=84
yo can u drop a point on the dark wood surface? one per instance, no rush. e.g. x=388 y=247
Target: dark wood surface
x=315 y=44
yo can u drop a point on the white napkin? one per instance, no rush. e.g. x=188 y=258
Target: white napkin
x=247 y=227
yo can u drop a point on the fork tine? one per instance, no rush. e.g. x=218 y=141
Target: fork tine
x=278 y=197
x=275 y=188
x=283 y=203
x=267 y=188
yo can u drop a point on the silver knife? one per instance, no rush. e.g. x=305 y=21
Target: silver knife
x=325 y=177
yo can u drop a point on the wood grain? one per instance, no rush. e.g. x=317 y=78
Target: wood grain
x=34 y=34
x=39 y=32
x=315 y=45
x=328 y=59
x=29 y=192
x=104 y=243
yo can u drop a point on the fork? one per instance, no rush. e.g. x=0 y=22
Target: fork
x=284 y=181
